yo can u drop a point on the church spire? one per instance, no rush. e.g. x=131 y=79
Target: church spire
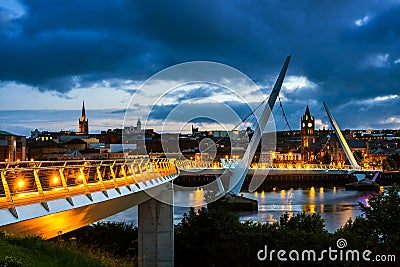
x=307 y=112
x=83 y=117
x=83 y=127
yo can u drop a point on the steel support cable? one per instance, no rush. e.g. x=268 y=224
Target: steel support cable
x=242 y=121
x=284 y=114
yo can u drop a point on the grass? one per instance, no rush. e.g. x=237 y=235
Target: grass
x=33 y=251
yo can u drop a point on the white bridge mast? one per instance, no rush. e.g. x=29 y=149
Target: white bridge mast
x=342 y=140
x=239 y=173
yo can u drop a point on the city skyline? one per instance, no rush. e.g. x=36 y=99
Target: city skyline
x=343 y=54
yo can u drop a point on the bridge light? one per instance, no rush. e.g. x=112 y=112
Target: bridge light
x=21 y=183
x=55 y=179
x=80 y=177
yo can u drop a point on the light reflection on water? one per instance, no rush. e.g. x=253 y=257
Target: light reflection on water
x=335 y=205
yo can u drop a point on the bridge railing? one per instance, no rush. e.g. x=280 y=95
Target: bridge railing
x=190 y=164
x=25 y=183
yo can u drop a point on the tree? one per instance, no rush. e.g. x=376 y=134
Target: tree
x=310 y=223
x=383 y=216
x=378 y=227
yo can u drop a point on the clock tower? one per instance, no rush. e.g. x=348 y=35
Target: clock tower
x=307 y=135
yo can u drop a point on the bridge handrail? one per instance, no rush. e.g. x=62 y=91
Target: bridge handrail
x=30 y=182
x=190 y=164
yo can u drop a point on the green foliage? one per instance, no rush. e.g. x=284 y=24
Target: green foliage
x=8 y=261
x=383 y=216
x=206 y=234
x=378 y=228
x=115 y=239
x=215 y=237
x=33 y=251
x=310 y=223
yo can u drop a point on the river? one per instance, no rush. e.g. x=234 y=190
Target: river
x=335 y=205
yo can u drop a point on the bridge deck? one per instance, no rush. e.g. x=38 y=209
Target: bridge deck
x=24 y=183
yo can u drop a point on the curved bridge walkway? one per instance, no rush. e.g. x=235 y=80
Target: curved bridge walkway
x=50 y=198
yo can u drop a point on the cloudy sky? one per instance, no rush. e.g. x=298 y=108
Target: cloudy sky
x=55 y=54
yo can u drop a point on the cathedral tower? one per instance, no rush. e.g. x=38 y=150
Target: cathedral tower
x=83 y=122
x=307 y=135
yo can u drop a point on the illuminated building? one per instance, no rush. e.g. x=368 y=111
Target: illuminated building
x=307 y=135
x=12 y=147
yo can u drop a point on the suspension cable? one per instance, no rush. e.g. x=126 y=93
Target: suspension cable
x=284 y=114
x=242 y=121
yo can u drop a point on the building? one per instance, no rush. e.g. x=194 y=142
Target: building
x=307 y=135
x=327 y=148
x=75 y=144
x=83 y=122
x=12 y=147
x=45 y=150
x=323 y=146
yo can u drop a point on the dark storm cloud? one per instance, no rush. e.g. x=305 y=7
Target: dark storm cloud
x=227 y=112
x=60 y=45
x=64 y=45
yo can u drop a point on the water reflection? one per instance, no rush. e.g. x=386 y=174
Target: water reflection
x=197 y=197
x=283 y=194
x=312 y=193
x=335 y=205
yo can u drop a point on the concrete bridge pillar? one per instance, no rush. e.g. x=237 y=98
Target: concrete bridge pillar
x=156 y=230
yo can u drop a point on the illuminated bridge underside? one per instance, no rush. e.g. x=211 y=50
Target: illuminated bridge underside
x=66 y=209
